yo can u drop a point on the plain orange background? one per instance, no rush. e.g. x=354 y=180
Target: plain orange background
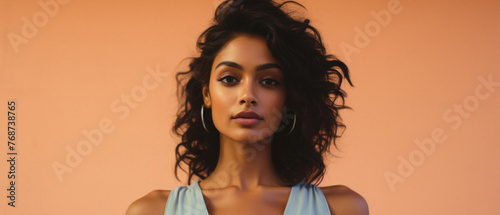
x=417 y=76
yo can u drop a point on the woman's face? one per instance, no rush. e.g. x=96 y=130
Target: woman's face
x=246 y=91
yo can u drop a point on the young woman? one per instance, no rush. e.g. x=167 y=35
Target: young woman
x=259 y=110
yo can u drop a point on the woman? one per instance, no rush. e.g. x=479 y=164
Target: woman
x=258 y=112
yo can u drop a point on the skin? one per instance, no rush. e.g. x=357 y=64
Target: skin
x=245 y=76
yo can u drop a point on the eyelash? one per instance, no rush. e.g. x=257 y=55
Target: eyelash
x=224 y=80
x=276 y=83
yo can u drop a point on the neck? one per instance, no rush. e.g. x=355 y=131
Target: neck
x=243 y=165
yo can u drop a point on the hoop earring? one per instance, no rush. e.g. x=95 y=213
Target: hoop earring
x=202 y=119
x=293 y=125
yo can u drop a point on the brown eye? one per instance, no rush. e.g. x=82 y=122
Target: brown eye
x=228 y=79
x=270 y=82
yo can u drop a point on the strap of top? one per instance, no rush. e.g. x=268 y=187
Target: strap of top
x=186 y=201
x=304 y=198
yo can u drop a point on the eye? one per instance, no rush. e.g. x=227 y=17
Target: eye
x=228 y=79
x=270 y=82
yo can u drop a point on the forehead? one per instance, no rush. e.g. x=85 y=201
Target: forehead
x=246 y=50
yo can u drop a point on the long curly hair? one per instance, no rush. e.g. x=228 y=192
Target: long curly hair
x=312 y=81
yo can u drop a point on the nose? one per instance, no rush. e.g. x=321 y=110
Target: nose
x=247 y=93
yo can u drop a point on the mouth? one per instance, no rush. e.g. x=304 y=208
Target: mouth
x=247 y=115
x=247 y=118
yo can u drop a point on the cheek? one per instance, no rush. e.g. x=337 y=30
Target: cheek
x=275 y=105
x=276 y=99
x=222 y=99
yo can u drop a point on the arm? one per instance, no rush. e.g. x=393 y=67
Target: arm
x=344 y=201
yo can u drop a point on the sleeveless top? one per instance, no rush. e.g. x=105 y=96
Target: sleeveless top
x=304 y=198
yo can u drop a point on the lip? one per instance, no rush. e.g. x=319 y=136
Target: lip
x=247 y=118
x=247 y=114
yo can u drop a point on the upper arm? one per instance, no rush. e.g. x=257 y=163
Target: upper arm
x=344 y=201
x=152 y=203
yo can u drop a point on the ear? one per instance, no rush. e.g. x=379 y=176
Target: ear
x=206 y=97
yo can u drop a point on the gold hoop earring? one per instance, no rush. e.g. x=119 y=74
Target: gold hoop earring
x=293 y=125
x=202 y=119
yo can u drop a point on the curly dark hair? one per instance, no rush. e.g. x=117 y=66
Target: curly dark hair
x=312 y=81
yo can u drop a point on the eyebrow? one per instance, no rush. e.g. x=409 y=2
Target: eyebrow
x=259 y=68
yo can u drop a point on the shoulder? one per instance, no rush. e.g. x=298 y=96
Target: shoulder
x=344 y=201
x=152 y=203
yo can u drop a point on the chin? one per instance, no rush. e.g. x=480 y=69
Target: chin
x=252 y=137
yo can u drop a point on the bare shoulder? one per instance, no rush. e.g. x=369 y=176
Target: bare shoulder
x=152 y=203
x=344 y=201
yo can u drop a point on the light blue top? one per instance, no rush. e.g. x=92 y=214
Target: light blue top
x=304 y=198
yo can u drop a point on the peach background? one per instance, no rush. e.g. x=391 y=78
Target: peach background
x=427 y=59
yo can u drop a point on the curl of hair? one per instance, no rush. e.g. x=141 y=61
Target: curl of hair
x=312 y=80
